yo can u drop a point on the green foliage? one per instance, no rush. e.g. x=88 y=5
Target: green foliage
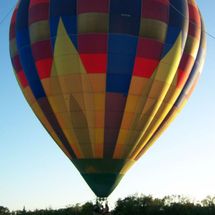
x=87 y=209
x=138 y=206
x=134 y=205
x=4 y=211
x=177 y=205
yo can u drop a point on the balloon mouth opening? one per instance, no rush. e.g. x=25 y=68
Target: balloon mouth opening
x=102 y=184
x=102 y=175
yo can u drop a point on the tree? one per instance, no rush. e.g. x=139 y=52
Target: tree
x=4 y=210
x=87 y=209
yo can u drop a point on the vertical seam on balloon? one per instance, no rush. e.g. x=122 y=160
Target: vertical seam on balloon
x=150 y=130
x=107 y=65
x=81 y=79
x=173 y=112
x=49 y=20
x=91 y=131
x=130 y=79
x=50 y=104
x=136 y=121
x=116 y=145
x=59 y=85
x=105 y=87
x=82 y=151
x=194 y=70
x=152 y=81
x=169 y=113
x=67 y=146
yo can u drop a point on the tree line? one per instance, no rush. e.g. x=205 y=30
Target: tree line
x=133 y=205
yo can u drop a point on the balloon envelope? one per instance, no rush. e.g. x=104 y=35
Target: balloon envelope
x=106 y=77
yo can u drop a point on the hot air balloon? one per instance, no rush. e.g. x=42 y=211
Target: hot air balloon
x=106 y=77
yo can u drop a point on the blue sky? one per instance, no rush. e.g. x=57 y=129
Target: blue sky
x=36 y=174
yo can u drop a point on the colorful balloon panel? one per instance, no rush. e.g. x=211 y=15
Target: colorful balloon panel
x=106 y=77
